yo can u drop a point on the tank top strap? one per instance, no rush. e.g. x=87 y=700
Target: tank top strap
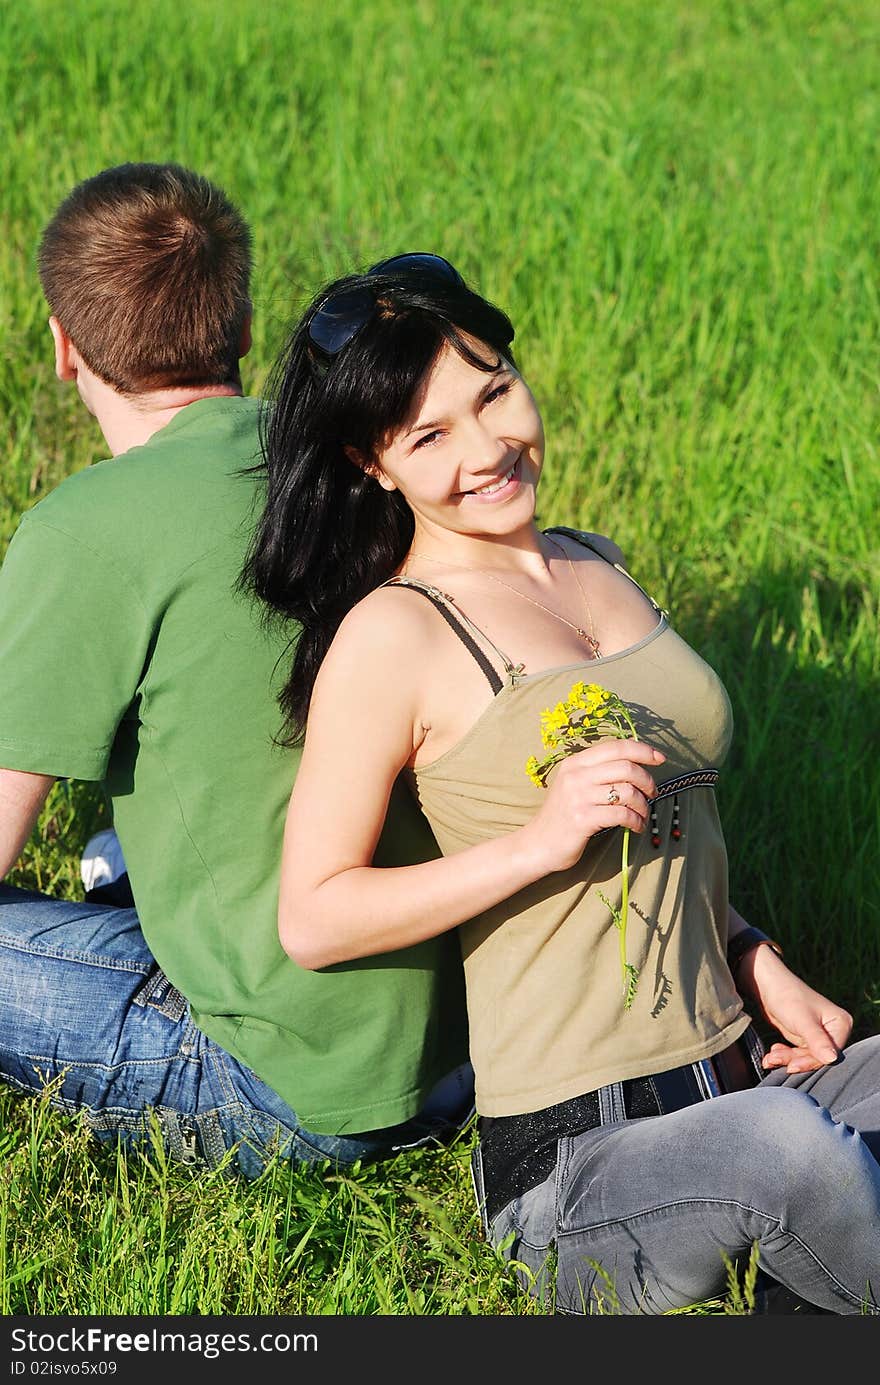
x=585 y=542
x=464 y=628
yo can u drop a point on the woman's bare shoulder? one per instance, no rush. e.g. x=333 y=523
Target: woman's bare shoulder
x=372 y=680
x=387 y=631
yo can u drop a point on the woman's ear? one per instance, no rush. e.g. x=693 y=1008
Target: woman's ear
x=369 y=467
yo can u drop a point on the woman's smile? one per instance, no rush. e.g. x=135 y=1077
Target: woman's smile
x=500 y=488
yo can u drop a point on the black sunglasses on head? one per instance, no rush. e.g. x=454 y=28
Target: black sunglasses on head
x=335 y=321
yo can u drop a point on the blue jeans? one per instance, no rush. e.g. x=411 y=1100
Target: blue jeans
x=638 y=1214
x=86 y=1012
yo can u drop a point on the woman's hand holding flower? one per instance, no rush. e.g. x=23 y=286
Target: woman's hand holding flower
x=581 y=738
x=577 y=804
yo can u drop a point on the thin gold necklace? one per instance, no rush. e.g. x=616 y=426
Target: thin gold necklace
x=464 y=567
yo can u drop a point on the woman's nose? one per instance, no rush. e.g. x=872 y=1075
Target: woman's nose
x=485 y=450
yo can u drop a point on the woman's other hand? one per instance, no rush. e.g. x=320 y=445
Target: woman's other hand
x=815 y=1029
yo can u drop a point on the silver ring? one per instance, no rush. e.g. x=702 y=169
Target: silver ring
x=613 y=795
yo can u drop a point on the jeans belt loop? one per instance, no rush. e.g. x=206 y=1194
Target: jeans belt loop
x=707 y=1078
x=611 y=1104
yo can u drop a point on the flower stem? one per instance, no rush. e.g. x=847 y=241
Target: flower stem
x=624 y=902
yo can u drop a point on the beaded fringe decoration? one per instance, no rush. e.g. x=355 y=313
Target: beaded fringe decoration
x=655 y=825
x=693 y=779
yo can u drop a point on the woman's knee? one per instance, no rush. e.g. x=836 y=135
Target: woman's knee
x=792 y=1148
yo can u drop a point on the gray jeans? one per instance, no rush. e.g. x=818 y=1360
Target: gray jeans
x=639 y=1215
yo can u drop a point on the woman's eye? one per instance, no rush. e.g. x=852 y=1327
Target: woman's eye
x=497 y=392
x=426 y=439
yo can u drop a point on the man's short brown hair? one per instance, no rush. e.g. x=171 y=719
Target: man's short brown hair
x=147 y=268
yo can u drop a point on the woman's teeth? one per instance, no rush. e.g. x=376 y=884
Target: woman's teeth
x=495 y=485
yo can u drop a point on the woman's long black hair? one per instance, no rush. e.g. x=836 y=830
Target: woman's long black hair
x=328 y=533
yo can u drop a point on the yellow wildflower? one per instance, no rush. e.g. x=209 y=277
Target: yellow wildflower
x=533 y=773
x=554 y=722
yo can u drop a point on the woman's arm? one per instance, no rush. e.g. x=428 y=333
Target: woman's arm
x=365 y=720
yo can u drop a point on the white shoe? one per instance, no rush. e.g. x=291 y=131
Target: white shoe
x=452 y=1099
x=102 y=860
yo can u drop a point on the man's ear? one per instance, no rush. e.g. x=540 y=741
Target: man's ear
x=245 y=340
x=369 y=468
x=66 y=357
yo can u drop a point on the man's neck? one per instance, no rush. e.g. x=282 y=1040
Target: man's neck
x=131 y=420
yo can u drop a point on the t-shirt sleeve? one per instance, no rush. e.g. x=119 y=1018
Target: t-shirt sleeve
x=74 y=639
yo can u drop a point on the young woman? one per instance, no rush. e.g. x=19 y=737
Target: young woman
x=628 y=1122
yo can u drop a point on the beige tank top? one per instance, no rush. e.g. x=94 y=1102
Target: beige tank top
x=545 y=994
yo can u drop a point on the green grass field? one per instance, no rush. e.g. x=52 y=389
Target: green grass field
x=678 y=204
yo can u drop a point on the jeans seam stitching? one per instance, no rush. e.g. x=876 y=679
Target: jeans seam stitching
x=87 y=959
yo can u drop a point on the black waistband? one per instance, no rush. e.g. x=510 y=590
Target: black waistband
x=519 y=1152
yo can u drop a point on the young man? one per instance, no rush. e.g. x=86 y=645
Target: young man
x=129 y=656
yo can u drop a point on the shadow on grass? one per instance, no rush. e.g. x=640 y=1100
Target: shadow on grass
x=799 y=795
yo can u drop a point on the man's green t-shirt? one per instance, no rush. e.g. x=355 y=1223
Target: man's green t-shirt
x=128 y=656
